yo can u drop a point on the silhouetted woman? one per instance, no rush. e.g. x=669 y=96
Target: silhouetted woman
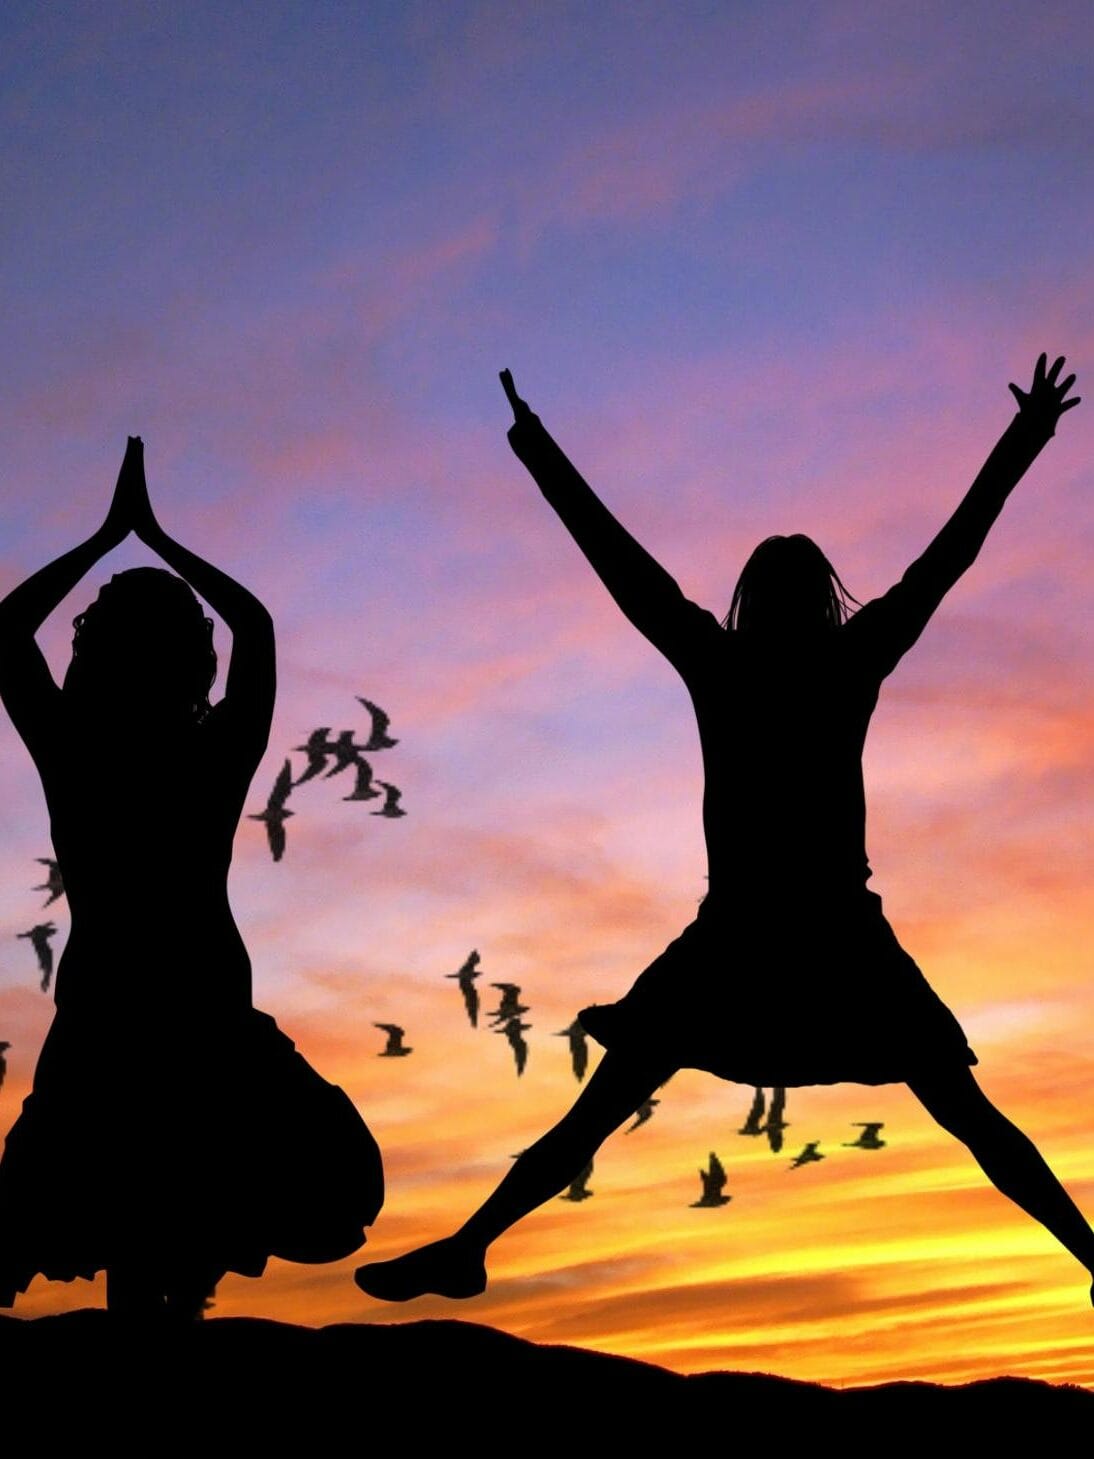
x=173 y=1132
x=783 y=692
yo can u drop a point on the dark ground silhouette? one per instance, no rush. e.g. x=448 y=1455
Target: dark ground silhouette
x=423 y=1390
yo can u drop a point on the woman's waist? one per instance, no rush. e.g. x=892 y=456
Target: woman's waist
x=174 y=963
x=788 y=906
x=159 y=929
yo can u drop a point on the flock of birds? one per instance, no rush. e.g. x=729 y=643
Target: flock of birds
x=713 y=1179
x=764 y=1117
x=38 y=936
x=504 y=1019
x=320 y=749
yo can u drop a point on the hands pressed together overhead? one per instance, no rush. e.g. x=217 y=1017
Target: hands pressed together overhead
x=130 y=508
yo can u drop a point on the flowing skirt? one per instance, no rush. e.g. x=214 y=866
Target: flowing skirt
x=794 y=992
x=187 y=1150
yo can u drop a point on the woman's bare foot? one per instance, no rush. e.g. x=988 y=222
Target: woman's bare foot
x=451 y=1268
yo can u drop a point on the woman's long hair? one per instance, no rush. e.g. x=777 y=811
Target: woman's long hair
x=147 y=628
x=788 y=581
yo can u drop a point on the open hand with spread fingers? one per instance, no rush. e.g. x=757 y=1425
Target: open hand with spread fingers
x=1043 y=404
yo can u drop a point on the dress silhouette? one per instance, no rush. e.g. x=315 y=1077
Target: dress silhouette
x=173 y=1132
x=783 y=690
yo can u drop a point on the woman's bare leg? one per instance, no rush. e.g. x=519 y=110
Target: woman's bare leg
x=133 y=1292
x=455 y=1266
x=1008 y=1158
x=189 y=1292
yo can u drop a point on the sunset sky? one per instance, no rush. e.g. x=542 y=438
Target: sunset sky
x=760 y=268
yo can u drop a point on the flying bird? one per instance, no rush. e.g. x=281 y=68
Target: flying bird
x=39 y=939
x=807 y=1155
x=466 y=976
x=53 y=885
x=378 y=736
x=579 y=1048
x=390 y=806
x=752 y=1124
x=394 y=1049
x=868 y=1140
x=4 y=1047
x=714 y=1182
x=775 y=1123
x=275 y=815
x=345 y=753
x=579 y=1190
x=363 y=790
x=513 y=1030
x=642 y=1114
x=510 y=1005
x=318 y=747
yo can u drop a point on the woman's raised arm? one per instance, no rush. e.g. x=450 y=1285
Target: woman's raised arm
x=647 y=594
x=887 y=627
x=26 y=686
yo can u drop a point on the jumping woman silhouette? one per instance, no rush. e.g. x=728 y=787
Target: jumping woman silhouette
x=173 y=1133
x=783 y=691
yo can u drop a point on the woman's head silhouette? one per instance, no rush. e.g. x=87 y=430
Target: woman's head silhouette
x=788 y=587
x=145 y=640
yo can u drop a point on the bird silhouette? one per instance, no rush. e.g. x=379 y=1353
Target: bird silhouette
x=275 y=815
x=4 y=1047
x=579 y=1186
x=642 y=1114
x=390 y=806
x=363 y=789
x=510 y=1005
x=513 y=1030
x=579 y=1048
x=54 y=885
x=378 y=736
x=752 y=1125
x=714 y=1181
x=345 y=753
x=39 y=936
x=394 y=1049
x=868 y=1140
x=775 y=1124
x=807 y=1155
x=318 y=747
x=466 y=977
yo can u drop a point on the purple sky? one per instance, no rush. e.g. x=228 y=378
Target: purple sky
x=759 y=268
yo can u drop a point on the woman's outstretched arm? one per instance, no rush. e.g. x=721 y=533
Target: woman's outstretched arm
x=889 y=626
x=251 y=683
x=647 y=594
x=26 y=686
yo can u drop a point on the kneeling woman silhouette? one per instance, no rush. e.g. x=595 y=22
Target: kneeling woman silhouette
x=783 y=691
x=173 y=1133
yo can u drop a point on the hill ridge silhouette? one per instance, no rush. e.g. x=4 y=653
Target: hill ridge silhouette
x=82 y=1384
